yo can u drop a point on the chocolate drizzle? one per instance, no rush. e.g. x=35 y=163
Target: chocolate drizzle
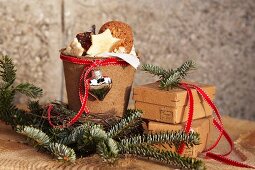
x=85 y=38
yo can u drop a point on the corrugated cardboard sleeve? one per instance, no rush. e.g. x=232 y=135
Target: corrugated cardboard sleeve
x=116 y=101
x=201 y=126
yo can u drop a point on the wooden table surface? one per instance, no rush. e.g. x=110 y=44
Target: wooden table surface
x=14 y=154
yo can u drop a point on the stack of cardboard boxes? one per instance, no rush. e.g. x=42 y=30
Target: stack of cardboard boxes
x=168 y=110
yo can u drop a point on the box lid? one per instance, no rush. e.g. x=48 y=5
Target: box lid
x=151 y=93
x=198 y=125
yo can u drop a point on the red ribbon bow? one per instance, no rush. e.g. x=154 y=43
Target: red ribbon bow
x=217 y=123
x=89 y=65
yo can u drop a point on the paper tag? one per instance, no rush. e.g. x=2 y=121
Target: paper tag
x=166 y=115
x=130 y=59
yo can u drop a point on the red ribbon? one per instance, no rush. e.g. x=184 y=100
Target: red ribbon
x=217 y=122
x=89 y=65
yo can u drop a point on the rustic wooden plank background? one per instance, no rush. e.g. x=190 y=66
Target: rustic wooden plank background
x=218 y=34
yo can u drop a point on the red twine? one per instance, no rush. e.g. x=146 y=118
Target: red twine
x=217 y=122
x=89 y=65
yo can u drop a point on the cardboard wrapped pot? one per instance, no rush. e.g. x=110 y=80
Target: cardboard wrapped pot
x=115 y=101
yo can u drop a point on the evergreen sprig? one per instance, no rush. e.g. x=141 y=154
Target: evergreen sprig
x=126 y=124
x=73 y=136
x=171 y=138
x=108 y=150
x=7 y=70
x=62 y=152
x=185 y=68
x=96 y=138
x=170 y=78
x=29 y=90
x=170 y=82
x=155 y=70
x=167 y=157
x=90 y=137
x=35 y=107
x=40 y=138
x=8 y=111
x=37 y=135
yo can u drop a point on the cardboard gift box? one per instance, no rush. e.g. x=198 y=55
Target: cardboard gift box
x=202 y=126
x=116 y=100
x=171 y=106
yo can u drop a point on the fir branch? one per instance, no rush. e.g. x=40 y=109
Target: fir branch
x=113 y=146
x=8 y=112
x=62 y=108
x=6 y=105
x=73 y=136
x=62 y=152
x=34 y=106
x=185 y=68
x=6 y=97
x=29 y=90
x=131 y=112
x=171 y=138
x=98 y=133
x=87 y=143
x=125 y=125
x=7 y=70
x=8 y=75
x=108 y=149
x=93 y=134
x=16 y=117
x=170 y=78
x=175 y=76
x=170 y=82
x=155 y=70
x=35 y=134
x=167 y=157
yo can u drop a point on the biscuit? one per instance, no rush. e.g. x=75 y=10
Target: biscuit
x=122 y=31
x=74 y=48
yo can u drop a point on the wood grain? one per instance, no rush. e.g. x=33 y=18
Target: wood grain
x=14 y=154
